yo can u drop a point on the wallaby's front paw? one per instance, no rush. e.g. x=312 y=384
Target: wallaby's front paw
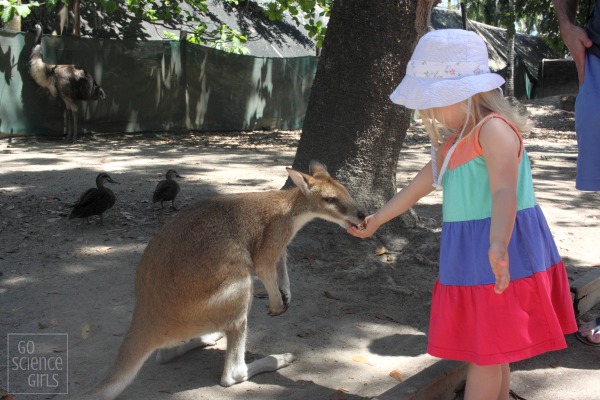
x=278 y=311
x=286 y=297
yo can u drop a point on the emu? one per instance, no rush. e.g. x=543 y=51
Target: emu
x=69 y=82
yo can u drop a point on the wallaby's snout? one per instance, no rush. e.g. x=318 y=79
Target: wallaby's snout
x=331 y=200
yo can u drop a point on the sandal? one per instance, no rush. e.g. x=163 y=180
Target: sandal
x=595 y=331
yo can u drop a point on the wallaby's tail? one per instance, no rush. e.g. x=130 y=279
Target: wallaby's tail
x=136 y=348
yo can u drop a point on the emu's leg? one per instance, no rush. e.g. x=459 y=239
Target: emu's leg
x=67 y=123
x=72 y=123
x=74 y=118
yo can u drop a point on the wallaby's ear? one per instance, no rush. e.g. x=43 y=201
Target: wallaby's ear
x=317 y=168
x=301 y=180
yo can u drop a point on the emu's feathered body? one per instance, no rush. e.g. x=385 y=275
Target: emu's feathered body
x=167 y=190
x=95 y=201
x=67 y=81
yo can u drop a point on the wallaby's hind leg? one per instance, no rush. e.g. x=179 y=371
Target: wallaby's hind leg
x=270 y=363
x=236 y=370
x=167 y=354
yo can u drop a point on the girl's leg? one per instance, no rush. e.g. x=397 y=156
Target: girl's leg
x=505 y=387
x=487 y=382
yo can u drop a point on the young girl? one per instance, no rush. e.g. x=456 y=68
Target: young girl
x=502 y=293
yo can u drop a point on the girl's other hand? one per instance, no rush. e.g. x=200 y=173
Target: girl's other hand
x=366 y=229
x=498 y=255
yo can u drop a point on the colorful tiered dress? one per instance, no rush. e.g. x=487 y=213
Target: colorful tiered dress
x=469 y=321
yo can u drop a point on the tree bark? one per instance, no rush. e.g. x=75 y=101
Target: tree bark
x=76 y=17
x=351 y=125
x=510 y=50
x=15 y=23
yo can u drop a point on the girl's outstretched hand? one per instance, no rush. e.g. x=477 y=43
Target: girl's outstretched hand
x=498 y=255
x=364 y=230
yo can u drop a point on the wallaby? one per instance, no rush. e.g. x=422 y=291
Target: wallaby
x=194 y=280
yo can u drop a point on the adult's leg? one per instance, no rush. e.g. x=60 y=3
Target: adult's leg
x=587 y=126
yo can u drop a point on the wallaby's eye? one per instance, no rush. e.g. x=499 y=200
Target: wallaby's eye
x=329 y=199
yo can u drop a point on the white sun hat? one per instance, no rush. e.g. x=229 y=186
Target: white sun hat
x=447 y=66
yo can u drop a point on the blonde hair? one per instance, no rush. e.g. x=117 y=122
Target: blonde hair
x=482 y=104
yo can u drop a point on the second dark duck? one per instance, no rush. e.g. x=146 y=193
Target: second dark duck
x=167 y=189
x=95 y=201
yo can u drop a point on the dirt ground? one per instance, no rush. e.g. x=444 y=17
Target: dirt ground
x=358 y=322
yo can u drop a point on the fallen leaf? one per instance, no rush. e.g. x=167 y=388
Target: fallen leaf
x=340 y=394
x=86 y=330
x=361 y=359
x=384 y=317
x=303 y=334
x=310 y=259
x=53 y=322
x=330 y=296
x=381 y=251
x=352 y=310
x=127 y=215
x=397 y=375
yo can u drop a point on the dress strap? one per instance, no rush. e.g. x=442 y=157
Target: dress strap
x=469 y=147
x=477 y=131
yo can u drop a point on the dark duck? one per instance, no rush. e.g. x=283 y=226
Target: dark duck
x=95 y=201
x=167 y=189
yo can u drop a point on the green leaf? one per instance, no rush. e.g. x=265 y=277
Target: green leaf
x=7 y=14
x=23 y=10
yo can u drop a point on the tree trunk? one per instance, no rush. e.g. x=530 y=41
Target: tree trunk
x=76 y=17
x=351 y=125
x=15 y=23
x=510 y=50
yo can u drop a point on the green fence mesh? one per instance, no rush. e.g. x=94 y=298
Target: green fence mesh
x=154 y=86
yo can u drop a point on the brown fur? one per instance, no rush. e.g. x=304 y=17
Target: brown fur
x=195 y=276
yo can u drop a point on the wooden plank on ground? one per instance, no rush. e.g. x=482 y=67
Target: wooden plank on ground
x=586 y=291
x=437 y=382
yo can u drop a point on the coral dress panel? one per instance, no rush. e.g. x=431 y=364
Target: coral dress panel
x=469 y=321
